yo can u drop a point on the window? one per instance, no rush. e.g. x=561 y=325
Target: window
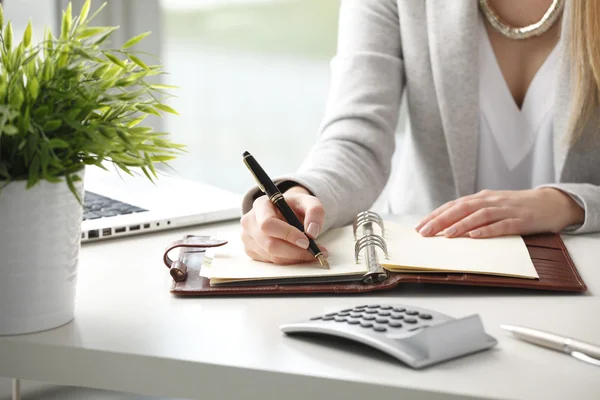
x=253 y=75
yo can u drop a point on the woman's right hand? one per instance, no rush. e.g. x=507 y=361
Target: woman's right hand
x=268 y=237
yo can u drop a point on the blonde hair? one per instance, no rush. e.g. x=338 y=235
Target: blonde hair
x=585 y=59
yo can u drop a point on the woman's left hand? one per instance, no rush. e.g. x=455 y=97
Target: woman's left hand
x=492 y=213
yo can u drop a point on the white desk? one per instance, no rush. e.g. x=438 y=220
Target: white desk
x=131 y=335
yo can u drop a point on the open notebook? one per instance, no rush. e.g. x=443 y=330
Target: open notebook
x=371 y=247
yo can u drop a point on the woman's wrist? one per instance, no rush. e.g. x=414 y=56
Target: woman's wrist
x=571 y=213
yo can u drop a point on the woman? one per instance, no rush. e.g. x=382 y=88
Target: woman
x=504 y=123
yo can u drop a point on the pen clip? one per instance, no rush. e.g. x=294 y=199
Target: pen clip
x=260 y=186
x=585 y=358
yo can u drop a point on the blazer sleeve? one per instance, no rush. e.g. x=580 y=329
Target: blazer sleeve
x=350 y=164
x=587 y=196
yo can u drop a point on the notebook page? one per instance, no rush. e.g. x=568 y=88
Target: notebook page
x=409 y=251
x=230 y=262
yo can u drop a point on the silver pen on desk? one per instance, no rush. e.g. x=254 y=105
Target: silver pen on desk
x=581 y=350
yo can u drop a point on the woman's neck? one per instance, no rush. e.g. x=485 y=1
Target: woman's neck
x=520 y=12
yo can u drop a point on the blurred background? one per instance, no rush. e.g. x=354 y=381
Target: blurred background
x=253 y=74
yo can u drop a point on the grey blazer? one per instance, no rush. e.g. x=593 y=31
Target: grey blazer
x=428 y=49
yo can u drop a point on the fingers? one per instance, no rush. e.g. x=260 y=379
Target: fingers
x=422 y=227
x=268 y=249
x=267 y=237
x=268 y=224
x=510 y=226
x=482 y=217
x=314 y=214
x=456 y=212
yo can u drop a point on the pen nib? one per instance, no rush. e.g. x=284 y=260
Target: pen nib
x=323 y=261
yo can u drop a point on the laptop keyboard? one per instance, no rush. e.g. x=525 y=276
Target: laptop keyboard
x=97 y=206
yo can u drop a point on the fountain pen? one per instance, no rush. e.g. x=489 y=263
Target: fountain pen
x=267 y=186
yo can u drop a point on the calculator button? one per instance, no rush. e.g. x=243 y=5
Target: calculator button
x=384 y=313
x=373 y=306
x=425 y=316
x=355 y=314
x=410 y=320
x=412 y=312
x=371 y=311
x=346 y=310
x=341 y=319
x=316 y=318
x=366 y=324
x=343 y=314
x=353 y=321
x=395 y=324
x=382 y=320
x=397 y=316
x=380 y=328
x=360 y=307
x=386 y=307
x=369 y=317
x=399 y=309
x=327 y=318
x=331 y=314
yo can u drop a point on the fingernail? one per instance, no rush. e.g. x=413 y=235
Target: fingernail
x=302 y=243
x=450 y=231
x=313 y=230
x=475 y=233
x=325 y=253
x=426 y=230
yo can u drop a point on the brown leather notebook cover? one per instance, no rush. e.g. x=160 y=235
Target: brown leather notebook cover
x=549 y=255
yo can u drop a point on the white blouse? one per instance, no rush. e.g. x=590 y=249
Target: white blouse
x=515 y=145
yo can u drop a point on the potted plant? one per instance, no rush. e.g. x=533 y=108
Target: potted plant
x=65 y=103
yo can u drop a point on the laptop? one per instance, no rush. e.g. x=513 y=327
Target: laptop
x=117 y=204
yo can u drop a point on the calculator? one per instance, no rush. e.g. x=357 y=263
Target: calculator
x=416 y=336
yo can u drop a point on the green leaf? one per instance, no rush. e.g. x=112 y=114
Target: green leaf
x=97 y=12
x=56 y=143
x=161 y=86
x=166 y=108
x=27 y=35
x=85 y=9
x=147 y=109
x=145 y=170
x=52 y=125
x=107 y=132
x=158 y=158
x=123 y=136
x=10 y=130
x=48 y=44
x=70 y=179
x=1 y=15
x=41 y=111
x=88 y=32
x=34 y=87
x=134 y=40
x=34 y=171
x=136 y=121
x=115 y=60
x=103 y=38
x=16 y=98
x=65 y=26
x=8 y=36
x=139 y=62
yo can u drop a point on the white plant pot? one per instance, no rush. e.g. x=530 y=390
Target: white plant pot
x=40 y=230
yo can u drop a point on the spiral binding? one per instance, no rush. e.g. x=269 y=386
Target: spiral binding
x=368 y=242
x=364 y=218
